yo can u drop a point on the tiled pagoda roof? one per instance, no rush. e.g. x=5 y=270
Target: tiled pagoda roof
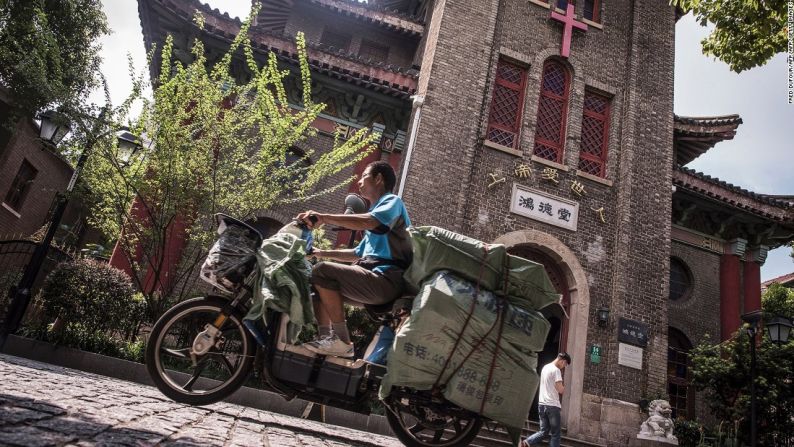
x=769 y=207
x=374 y=13
x=376 y=76
x=693 y=136
x=787 y=279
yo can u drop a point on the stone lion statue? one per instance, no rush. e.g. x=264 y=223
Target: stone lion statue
x=658 y=426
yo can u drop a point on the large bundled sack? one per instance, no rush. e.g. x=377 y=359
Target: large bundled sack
x=437 y=249
x=230 y=258
x=497 y=382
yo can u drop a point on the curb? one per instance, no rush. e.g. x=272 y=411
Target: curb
x=136 y=372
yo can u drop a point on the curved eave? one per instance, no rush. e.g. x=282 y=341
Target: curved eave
x=394 y=22
x=734 y=196
x=386 y=80
x=694 y=136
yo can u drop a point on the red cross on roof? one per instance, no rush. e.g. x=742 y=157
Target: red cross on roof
x=569 y=23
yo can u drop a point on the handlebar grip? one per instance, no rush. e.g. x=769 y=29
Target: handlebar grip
x=313 y=219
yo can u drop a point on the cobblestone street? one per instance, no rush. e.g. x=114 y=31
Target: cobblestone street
x=42 y=405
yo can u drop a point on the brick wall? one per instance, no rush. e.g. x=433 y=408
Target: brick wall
x=697 y=315
x=53 y=176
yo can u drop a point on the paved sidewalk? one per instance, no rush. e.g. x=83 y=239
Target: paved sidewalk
x=43 y=405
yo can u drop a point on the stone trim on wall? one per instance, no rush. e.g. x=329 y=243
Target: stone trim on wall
x=550 y=163
x=594 y=178
x=505 y=149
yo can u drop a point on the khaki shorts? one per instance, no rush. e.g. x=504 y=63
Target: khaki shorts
x=357 y=284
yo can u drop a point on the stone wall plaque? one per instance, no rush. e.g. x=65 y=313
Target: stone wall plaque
x=543 y=207
x=630 y=356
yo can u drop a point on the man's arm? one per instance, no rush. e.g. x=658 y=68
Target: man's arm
x=559 y=386
x=347 y=255
x=349 y=221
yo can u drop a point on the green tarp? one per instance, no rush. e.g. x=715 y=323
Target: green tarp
x=283 y=283
x=437 y=249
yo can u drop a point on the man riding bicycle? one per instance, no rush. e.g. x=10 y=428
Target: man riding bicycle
x=378 y=262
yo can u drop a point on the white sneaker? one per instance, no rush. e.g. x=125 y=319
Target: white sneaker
x=332 y=346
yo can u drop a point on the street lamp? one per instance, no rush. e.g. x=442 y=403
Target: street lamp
x=53 y=129
x=753 y=319
x=778 y=329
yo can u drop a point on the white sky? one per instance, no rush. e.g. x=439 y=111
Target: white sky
x=757 y=159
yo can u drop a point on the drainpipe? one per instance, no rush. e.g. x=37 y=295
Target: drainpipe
x=418 y=100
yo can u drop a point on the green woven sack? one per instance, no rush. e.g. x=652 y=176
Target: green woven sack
x=421 y=348
x=437 y=249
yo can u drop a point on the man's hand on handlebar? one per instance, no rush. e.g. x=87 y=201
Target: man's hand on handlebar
x=312 y=219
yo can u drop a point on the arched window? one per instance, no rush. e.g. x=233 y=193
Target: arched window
x=681 y=395
x=552 y=112
x=680 y=280
x=504 y=119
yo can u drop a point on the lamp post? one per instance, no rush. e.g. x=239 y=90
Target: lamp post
x=778 y=330
x=53 y=129
x=753 y=319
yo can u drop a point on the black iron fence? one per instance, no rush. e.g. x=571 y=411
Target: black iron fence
x=15 y=255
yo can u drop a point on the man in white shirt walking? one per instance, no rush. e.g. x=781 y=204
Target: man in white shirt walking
x=550 y=389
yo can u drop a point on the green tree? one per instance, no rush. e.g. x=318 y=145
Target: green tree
x=210 y=143
x=723 y=372
x=49 y=54
x=747 y=33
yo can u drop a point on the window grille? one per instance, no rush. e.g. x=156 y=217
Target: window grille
x=374 y=51
x=552 y=112
x=504 y=120
x=595 y=135
x=21 y=185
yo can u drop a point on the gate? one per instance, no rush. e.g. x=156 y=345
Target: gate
x=14 y=257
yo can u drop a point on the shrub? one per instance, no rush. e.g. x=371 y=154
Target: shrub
x=8 y=280
x=96 y=296
x=689 y=433
x=75 y=335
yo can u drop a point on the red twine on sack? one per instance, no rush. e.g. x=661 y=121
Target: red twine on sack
x=502 y=308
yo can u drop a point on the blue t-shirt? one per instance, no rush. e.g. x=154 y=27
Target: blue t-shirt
x=390 y=241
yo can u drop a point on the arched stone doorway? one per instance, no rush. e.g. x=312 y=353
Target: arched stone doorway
x=578 y=306
x=557 y=339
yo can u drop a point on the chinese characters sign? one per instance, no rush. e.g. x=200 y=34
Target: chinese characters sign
x=633 y=332
x=630 y=356
x=537 y=205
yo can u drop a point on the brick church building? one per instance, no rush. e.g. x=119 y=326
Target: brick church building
x=547 y=127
